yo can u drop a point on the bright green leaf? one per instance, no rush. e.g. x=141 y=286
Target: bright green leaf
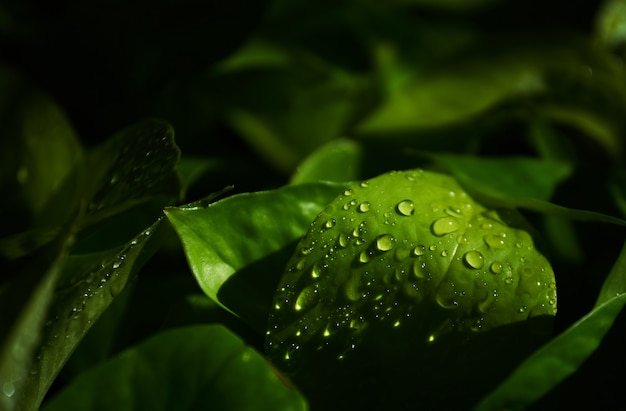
x=199 y=367
x=235 y=246
x=555 y=361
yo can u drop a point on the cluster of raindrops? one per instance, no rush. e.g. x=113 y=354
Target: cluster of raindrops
x=97 y=288
x=144 y=156
x=379 y=257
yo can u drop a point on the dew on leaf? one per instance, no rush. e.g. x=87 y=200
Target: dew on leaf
x=453 y=212
x=419 y=269
x=365 y=256
x=385 y=242
x=495 y=241
x=419 y=250
x=342 y=240
x=306 y=298
x=445 y=225
x=364 y=207
x=405 y=207
x=474 y=259
x=496 y=268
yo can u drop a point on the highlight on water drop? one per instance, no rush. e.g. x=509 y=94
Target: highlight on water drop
x=474 y=259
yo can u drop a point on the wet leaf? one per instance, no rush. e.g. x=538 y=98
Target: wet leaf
x=25 y=298
x=133 y=166
x=199 y=367
x=85 y=289
x=241 y=240
x=396 y=271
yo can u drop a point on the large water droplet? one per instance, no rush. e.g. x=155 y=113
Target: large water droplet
x=496 y=268
x=316 y=271
x=342 y=240
x=474 y=259
x=445 y=225
x=330 y=223
x=452 y=211
x=365 y=184
x=385 y=242
x=364 y=207
x=419 y=269
x=419 y=250
x=365 y=256
x=405 y=207
x=8 y=389
x=495 y=241
x=306 y=298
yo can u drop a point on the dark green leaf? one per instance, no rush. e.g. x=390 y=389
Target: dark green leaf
x=87 y=287
x=39 y=151
x=506 y=176
x=25 y=298
x=555 y=361
x=615 y=283
x=200 y=367
x=134 y=165
x=236 y=247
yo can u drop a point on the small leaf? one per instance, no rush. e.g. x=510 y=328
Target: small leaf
x=198 y=367
x=555 y=361
x=231 y=235
x=339 y=160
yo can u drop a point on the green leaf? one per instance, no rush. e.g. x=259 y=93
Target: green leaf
x=452 y=94
x=199 y=367
x=506 y=176
x=86 y=289
x=610 y=28
x=237 y=247
x=25 y=297
x=555 y=361
x=615 y=283
x=40 y=151
x=134 y=165
x=339 y=160
x=516 y=182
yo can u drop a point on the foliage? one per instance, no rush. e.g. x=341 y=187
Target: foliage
x=148 y=263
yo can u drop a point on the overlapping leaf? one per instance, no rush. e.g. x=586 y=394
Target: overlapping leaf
x=237 y=247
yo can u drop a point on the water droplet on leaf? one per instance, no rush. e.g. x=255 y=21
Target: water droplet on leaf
x=445 y=225
x=474 y=259
x=405 y=207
